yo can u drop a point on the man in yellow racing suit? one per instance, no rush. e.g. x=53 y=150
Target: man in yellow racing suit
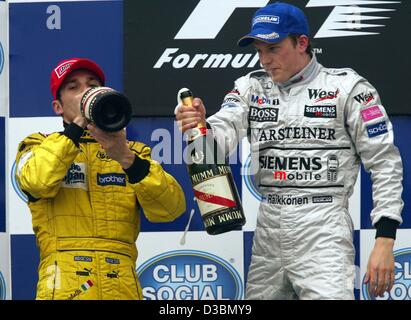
x=85 y=189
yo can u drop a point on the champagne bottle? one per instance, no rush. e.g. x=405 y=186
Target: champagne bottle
x=212 y=180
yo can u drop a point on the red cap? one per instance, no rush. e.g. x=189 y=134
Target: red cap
x=65 y=67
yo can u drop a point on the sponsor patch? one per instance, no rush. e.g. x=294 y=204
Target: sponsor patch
x=320 y=111
x=112 y=260
x=322 y=199
x=84 y=287
x=85 y=272
x=266 y=19
x=111 y=179
x=263 y=114
x=231 y=99
x=273 y=35
x=364 y=98
x=83 y=258
x=228 y=105
x=113 y=274
x=377 y=129
x=371 y=113
x=76 y=177
x=61 y=69
x=264 y=100
x=102 y=155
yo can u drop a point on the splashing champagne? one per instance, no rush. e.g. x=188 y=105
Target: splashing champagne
x=213 y=183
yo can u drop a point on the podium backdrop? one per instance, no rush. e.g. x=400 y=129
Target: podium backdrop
x=150 y=49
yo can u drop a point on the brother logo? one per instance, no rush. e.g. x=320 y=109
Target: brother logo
x=111 y=179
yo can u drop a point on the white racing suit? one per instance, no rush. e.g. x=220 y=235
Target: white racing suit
x=307 y=139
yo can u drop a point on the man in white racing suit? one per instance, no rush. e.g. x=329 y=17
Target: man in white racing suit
x=309 y=127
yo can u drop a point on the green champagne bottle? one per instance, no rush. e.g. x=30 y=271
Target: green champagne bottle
x=212 y=180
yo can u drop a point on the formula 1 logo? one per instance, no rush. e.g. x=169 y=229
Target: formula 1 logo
x=345 y=20
x=198 y=25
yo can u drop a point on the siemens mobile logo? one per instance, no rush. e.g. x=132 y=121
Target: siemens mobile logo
x=111 y=179
x=401 y=289
x=189 y=275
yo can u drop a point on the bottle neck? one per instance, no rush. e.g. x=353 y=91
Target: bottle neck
x=200 y=130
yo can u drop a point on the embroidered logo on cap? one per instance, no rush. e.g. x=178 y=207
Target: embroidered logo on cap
x=61 y=69
x=273 y=35
x=266 y=19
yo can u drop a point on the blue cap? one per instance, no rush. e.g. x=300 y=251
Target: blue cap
x=275 y=22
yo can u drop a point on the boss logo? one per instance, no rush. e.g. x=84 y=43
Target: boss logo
x=263 y=114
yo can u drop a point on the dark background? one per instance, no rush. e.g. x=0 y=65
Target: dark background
x=150 y=28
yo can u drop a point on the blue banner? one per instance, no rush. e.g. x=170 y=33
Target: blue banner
x=2 y=177
x=58 y=31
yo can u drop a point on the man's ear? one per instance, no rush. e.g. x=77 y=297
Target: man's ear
x=57 y=107
x=303 y=42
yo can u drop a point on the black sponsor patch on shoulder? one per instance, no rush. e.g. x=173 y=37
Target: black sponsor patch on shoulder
x=320 y=111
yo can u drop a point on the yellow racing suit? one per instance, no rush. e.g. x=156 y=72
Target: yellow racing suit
x=86 y=212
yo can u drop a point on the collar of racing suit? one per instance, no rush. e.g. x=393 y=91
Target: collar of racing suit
x=309 y=72
x=85 y=137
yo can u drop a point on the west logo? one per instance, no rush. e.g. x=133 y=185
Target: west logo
x=321 y=94
x=364 y=98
